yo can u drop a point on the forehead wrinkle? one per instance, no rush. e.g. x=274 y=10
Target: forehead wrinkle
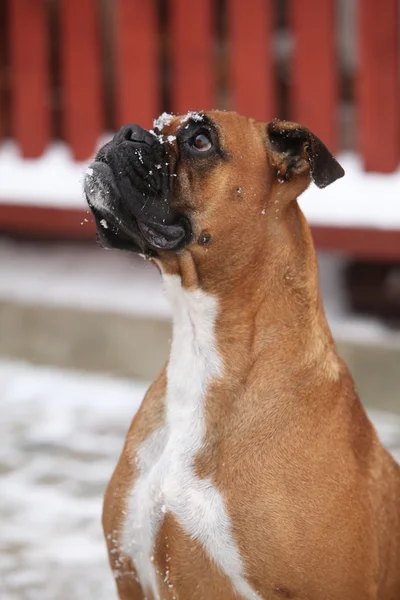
x=228 y=136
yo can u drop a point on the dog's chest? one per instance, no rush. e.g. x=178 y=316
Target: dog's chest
x=167 y=482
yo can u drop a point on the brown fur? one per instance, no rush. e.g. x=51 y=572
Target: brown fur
x=313 y=496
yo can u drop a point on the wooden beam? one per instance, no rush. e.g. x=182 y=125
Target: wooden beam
x=77 y=224
x=43 y=222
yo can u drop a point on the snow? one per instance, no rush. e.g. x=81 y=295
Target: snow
x=140 y=155
x=194 y=116
x=55 y=179
x=359 y=199
x=61 y=434
x=162 y=121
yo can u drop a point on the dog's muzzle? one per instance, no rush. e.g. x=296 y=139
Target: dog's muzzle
x=129 y=188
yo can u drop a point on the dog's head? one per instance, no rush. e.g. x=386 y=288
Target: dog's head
x=205 y=182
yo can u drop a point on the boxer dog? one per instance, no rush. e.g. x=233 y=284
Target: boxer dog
x=250 y=470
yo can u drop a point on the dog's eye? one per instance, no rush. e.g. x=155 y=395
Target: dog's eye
x=201 y=142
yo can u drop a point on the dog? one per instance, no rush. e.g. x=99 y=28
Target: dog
x=251 y=470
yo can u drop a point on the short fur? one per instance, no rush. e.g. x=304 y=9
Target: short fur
x=308 y=498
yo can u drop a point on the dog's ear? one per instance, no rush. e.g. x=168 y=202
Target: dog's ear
x=296 y=149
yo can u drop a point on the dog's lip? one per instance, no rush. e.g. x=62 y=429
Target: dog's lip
x=160 y=236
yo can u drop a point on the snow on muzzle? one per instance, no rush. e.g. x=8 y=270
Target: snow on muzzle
x=131 y=213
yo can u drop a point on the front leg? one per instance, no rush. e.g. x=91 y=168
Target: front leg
x=128 y=586
x=125 y=575
x=148 y=419
x=124 y=572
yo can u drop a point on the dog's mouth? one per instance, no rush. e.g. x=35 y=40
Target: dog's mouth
x=129 y=188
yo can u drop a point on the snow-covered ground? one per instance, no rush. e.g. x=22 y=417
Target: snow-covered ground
x=55 y=179
x=61 y=433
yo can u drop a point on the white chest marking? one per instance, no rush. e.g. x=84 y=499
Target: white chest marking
x=167 y=482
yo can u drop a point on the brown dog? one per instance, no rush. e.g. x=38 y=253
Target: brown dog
x=251 y=469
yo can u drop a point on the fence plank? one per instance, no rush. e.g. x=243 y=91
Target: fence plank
x=81 y=76
x=137 y=68
x=378 y=84
x=252 y=81
x=314 y=89
x=192 y=66
x=29 y=54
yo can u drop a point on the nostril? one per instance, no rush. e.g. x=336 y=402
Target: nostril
x=125 y=133
x=134 y=133
x=129 y=134
x=138 y=134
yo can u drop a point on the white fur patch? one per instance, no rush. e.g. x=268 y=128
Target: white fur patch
x=167 y=482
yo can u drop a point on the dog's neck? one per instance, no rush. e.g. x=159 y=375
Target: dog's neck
x=277 y=304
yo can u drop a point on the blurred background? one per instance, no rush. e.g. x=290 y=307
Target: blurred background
x=82 y=330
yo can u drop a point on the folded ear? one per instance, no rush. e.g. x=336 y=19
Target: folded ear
x=296 y=149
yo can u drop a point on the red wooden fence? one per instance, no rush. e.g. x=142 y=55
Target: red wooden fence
x=78 y=68
x=181 y=57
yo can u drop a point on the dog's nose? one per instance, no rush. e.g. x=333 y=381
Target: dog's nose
x=134 y=133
